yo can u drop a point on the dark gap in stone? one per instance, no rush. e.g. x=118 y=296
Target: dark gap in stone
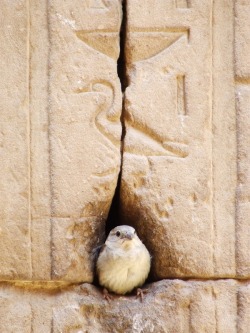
x=114 y=218
x=121 y=62
x=114 y=214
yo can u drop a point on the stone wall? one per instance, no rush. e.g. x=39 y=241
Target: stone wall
x=181 y=105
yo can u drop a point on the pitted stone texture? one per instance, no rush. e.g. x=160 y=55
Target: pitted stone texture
x=242 y=69
x=169 y=306
x=14 y=143
x=179 y=174
x=59 y=135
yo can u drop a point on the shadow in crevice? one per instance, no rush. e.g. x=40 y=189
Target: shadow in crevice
x=114 y=213
x=114 y=218
x=121 y=62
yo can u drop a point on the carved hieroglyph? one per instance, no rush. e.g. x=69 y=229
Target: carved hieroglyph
x=60 y=135
x=185 y=175
x=180 y=164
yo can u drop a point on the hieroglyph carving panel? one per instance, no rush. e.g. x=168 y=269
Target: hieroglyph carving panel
x=181 y=155
x=60 y=135
x=185 y=171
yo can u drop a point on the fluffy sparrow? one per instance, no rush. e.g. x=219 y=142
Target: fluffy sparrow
x=124 y=261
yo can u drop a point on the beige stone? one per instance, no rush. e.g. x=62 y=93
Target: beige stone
x=14 y=143
x=169 y=306
x=185 y=176
x=180 y=163
x=242 y=73
x=60 y=135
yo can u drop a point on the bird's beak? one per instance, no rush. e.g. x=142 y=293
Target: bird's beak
x=129 y=236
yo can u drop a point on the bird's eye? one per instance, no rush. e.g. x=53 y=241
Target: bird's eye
x=118 y=234
x=135 y=233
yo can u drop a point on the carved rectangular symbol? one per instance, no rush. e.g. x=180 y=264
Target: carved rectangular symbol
x=182 y=3
x=181 y=96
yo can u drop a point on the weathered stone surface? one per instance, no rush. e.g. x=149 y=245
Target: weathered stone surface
x=179 y=173
x=185 y=181
x=242 y=72
x=224 y=149
x=14 y=143
x=169 y=306
x=60 y=135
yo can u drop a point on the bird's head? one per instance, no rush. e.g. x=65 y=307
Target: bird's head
x=123 y=236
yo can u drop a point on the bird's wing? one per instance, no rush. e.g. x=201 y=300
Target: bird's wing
x=97 y=251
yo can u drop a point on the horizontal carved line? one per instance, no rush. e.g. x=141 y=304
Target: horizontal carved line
x=50 y=284
x=242 y=80
x=159 y=29
x=109 y=31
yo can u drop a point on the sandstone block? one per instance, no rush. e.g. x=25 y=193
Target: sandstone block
x=181 y=156
x=14 y=143
x=169 y=306
x=60 y=135
x=242 y=80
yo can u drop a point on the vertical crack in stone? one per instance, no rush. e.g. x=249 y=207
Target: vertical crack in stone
x=114 y=212
x=121 y=63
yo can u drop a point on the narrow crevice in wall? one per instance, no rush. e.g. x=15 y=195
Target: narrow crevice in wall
x=114 y=217
x=121 y=62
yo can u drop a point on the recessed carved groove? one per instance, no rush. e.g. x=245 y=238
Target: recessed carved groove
x=108 y=113
x=244 y=80
x=101 y=40
x=181 y=29
x=29 y=135
x=50 y=159
x=162 y=146
x=181 y=96
x=147 y=43
x=182 y=4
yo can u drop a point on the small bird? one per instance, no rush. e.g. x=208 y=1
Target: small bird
x=123 y=263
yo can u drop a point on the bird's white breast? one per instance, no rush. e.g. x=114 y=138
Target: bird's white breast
x=121 y=271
